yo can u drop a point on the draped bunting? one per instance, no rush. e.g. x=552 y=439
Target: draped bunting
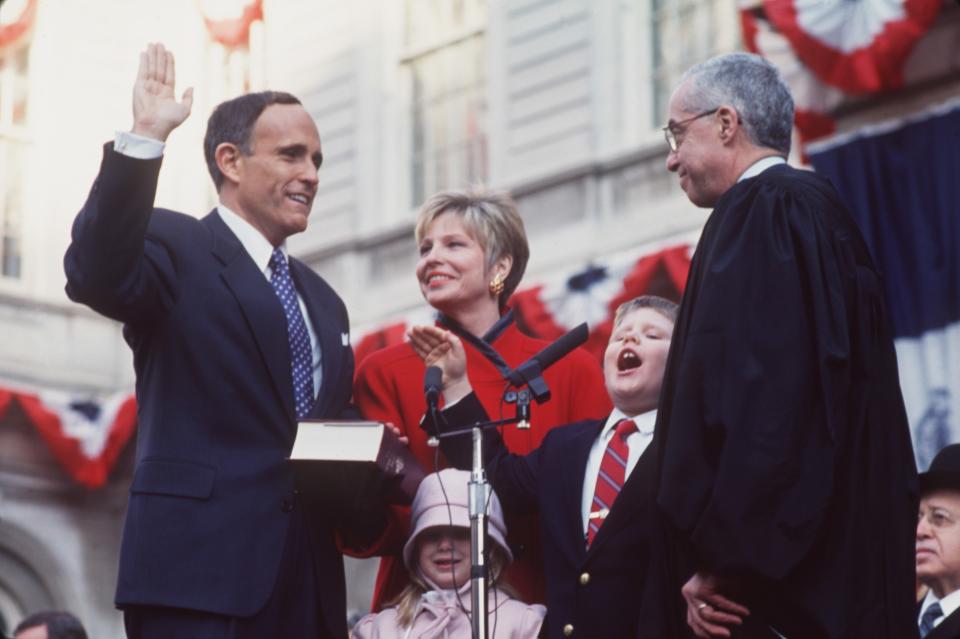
x=228 y=21
x=86 y=436
x=900 y=181
x=829 y=52
x=858 y=46
x=16 y=18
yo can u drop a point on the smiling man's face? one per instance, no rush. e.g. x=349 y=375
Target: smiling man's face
x=277 y=181
x=635 y=359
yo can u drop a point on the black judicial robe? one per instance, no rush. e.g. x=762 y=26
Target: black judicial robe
x=786 y=461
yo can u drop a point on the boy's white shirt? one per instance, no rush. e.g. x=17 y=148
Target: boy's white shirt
x=636 y=441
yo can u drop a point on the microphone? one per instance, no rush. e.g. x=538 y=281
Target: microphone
x=432 y=381
x=531 y=371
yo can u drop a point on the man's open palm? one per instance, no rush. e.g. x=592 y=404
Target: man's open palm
x=156 y=111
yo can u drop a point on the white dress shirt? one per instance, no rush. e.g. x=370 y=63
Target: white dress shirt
x=253 y=241
x=637 y=442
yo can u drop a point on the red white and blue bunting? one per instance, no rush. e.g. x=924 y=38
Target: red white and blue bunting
x=86 y=435
x=857 y=46
x=829 y=51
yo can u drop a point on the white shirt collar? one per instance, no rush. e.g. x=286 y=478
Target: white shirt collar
x=644 y=421
x=256 y=245
x=760 y=166
x=948 y=604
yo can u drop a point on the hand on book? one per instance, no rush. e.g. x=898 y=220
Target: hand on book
x=396 y=431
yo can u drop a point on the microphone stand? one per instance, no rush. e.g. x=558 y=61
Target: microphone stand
x=529 y=374
x=478 y=491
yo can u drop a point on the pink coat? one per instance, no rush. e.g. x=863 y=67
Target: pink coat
x=439 y=616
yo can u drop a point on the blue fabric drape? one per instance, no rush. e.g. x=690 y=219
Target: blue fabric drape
x=903 y=188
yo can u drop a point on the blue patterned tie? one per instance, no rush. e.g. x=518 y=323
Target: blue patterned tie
x=300 y=353
x=929 y=615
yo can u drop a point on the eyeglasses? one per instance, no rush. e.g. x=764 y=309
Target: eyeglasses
x=672 y=132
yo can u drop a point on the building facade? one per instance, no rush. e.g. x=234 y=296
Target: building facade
x=558 y=101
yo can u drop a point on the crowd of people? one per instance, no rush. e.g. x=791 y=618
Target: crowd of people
x=740 y=465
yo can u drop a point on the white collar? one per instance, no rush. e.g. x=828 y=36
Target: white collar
x=760 y=166
x=644 y=421
x=256 y=245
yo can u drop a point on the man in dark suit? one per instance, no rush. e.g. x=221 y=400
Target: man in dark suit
x=786 y=466
x=938 y=546
x=592 y=482
x=233 y=343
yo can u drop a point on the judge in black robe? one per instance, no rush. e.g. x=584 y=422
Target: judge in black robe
x=786 y=470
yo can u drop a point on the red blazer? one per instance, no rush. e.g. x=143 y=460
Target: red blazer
x=389 y=387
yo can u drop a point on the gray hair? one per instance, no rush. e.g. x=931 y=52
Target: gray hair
x=491 y=217
x=753 y=87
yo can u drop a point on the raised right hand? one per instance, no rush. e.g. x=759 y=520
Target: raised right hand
x=156 y=111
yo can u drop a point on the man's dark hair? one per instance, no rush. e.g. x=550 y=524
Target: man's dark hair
x=60 y=624
x=232 y=121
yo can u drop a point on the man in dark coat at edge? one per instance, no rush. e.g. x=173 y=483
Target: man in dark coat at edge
x=786 y=473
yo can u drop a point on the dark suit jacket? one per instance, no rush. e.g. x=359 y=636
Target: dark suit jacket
x=610 y=590
x=212 y=492
x=949 y=628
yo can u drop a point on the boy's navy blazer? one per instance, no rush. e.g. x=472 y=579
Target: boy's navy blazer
x=212 y=493
x=611 y=589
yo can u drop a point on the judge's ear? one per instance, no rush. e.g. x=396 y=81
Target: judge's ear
x=729 y=121
x=229 y=160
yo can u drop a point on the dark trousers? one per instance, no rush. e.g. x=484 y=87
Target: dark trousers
x=292 y=610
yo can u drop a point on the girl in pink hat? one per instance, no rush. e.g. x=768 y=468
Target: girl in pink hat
x=436 y=603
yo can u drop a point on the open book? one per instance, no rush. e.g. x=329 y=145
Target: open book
x=355 y=457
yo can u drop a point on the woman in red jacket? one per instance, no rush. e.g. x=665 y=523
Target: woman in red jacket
x=473 y=252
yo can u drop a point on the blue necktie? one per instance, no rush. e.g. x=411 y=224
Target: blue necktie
x=300 y=353
x=930 y=615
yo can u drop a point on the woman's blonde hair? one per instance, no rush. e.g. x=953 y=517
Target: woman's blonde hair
x=406 y=602
x=492 y=219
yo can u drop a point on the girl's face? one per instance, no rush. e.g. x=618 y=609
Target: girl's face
x=443 y=554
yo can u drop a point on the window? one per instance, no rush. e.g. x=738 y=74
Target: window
x=686 y=32
x=13 y=148
x=445 y=60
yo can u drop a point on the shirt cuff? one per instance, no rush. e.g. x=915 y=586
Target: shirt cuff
x=137 y=146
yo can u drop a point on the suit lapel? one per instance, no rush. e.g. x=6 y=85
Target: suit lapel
x=572 y=506
x=260 y=307
x=328 y=334
x=949 y=628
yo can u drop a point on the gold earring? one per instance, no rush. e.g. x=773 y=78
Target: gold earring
x=497 y=284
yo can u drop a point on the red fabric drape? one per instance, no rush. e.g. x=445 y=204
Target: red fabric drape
x=874 y=67
x=234 y=32
x=91 y=472
x=12 y=31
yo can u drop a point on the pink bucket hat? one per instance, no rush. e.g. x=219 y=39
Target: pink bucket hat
x=429 y=509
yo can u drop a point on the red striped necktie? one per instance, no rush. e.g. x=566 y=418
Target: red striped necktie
x=613 y=471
